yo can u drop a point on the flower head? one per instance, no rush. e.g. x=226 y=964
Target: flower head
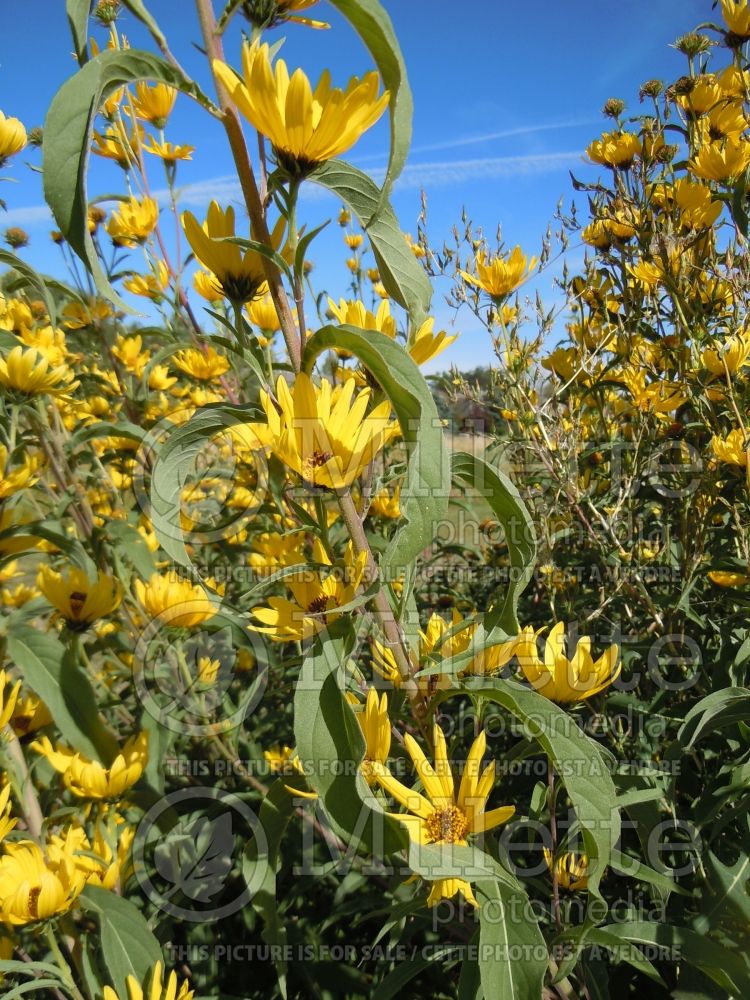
x=29 y=372
x=501 y=275
x=305 y=127
x=444 y=814
x=88 y=779
x=571 y=869
x=566 y=680
x=201 y=365
x=34 y=887
x=79 y=599
x=322 y=433
x=133 y=222
x=240 y=272
x=178 y=602
x=158 y=990
x=376 y=729
x=615 y=149
x=154 y=102
x=12 y=137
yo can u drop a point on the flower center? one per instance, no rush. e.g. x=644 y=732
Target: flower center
x=319 y=606
x=447 y=825
x=317 y=459
x=33 y=900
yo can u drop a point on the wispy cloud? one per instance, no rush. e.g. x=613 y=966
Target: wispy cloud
x=428 y=175
x=509 y=133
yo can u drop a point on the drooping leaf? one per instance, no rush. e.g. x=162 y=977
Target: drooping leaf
x=401 y=273
x=78 y=20
x=372 y=23
x=67 y=141
x=498 y=491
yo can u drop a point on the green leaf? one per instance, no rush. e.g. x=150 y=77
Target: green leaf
x=175 y=461
x=67 y=140
x=726 y=968
x=331 y=746
x=372 y=23
x=128 y=946
x=424 y=495
x=53 y=674
x=260 y=864
x=401 y=273
x=715 y=711
x=513 y=956
x=505 y=501
x=576 y=757
x=33 y=278
x=78 y=20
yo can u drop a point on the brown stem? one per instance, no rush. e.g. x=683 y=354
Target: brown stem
x=32 y=812
x=258 y=226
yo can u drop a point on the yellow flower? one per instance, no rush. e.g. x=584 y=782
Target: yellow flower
x=157 y=991
x=7 y=822
x=150 y=286
x=321 y=433
x=313 y=605
x=33 y=887
x=202 y=365
x=502 y=275
x=721 y=161
x=14 y=480
x=49 y=342
x=12 y=137
x=79 y=315
x=446 y=815
x=240 y=273
x=305 y=128
x=177 y=602
x=704 y=94
x=426 y=345
x=119 y=145
x=725 y=578
x=274 y=550
x=88 y=779
x=355 y=313
x=646 y=273
x=732 y=449
x=697 y=210
x=615 y=149
x=571 y=870
x=563 y=680
x=28 y=371
x=154 y=102
x=79 y=599
x=159 y=378
x=386 y=504
x=729 y=357
x=734 y=82
x=167 y=151
x=134 y=221
x=207 y=286
x=376 y=729
x=278 y=757
x=129 y=351
x=8 y=699
x=736 y=16
x=30 y=713
x=262 y=313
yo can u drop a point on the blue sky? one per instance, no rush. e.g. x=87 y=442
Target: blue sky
x=506 y=99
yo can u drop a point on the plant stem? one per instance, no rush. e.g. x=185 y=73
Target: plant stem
x=551 y=802
x=61 y=962
x=258 y=225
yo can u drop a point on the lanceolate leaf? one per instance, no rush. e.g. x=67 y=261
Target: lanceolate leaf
x=512 y=954
x=497 y=490
x=424 y=495
x=78 y=19
x=56 y=678
x=400 y=271
x=67 y=139
x=128 y=946
x=576 y=758
x=330 y=746
x=373 y=24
